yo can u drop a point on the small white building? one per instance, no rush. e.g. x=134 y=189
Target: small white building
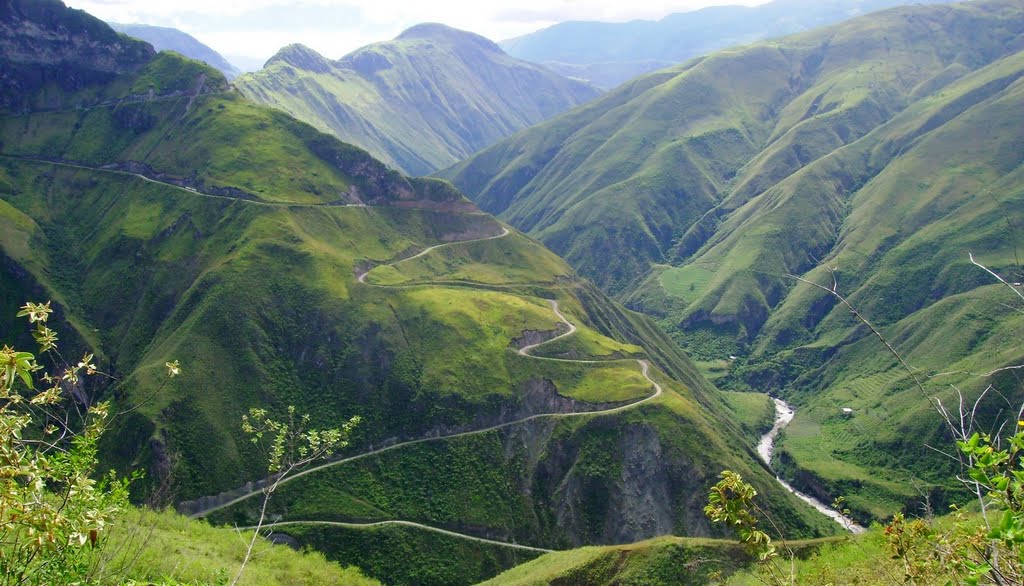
x=847 y=412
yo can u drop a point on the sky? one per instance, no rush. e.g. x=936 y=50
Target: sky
x=256 y=29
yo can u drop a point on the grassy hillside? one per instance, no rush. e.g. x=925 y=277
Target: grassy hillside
x=665 y=560
x=430 y=97
x=867 y=559
x=878 y=153
x=170 y=219
x=610 y=53
x=166 y=548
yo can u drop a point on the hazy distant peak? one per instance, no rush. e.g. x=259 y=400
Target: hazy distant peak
x=442 y=32
x=301 y=57
x=171 y=39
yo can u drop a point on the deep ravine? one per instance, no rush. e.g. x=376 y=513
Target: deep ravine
x=783 y=416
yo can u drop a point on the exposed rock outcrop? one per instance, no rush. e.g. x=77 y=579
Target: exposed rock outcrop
x=70 y=48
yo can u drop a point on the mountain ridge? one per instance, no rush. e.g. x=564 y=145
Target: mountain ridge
x=171 y=219
x=429 y=97
x=859 y=152
x=609 y=53
x=172 y=39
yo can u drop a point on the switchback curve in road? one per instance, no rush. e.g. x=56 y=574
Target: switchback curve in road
x=361 y=277
x=525 y=351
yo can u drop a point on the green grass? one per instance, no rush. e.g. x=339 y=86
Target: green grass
x=494 y=262
x=158 y=547
x=260 y=305
x=687 y=283
x=587 y=343
x=424 y=558
x=863 y=559
x=713 y=369
x=610 y=382
x=463 y=335
x=699 y=192
x=171 y=72
x=755 y=412
x=663 y=560
x=15 y=239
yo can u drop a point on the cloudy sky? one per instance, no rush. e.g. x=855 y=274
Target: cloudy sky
x=258 y=28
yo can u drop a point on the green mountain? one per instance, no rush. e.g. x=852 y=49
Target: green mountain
x=171 y=39
x=609 y=53
x=505 y=401
x=876 y=155
x=430 y=97
x=665 y=560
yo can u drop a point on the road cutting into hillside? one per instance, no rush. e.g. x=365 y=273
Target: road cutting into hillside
x=405 y=524
x=258 y=488
x=188 y=190
x=644 y=370
x=361 y=277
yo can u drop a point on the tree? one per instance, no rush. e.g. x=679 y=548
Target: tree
x=289 y=446
x=53 y=509
x=731 y=502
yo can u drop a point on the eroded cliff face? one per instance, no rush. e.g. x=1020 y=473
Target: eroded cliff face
x=585 y=493
x=642 y=501
x=45 y=32
x=43 y=43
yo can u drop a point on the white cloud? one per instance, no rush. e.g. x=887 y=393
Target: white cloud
x=258 y=28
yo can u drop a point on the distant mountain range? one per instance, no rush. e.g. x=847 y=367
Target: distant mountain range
x=430 y=97
x=172 y=39
x=875 y=154
x=607 y=54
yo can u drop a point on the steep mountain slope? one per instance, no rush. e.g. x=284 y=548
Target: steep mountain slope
x=607 y=54
x=666 y=560
x=168 y=218
x=879 y=152
x=171 y=39
x=430 y=97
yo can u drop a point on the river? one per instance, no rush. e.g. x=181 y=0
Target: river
x=783 y=415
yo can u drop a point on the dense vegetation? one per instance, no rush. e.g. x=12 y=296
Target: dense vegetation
x=878 y=153
x=168 y=218
x=430 y=97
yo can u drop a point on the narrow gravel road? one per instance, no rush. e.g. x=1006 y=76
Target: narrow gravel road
x=361 y=277
x=525 y=351
x=190 y=191
x=405 y=524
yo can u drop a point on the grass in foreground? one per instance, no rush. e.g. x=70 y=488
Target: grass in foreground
x=167 y=548
x=663 y=560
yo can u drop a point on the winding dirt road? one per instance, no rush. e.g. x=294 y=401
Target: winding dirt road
x=405 y=524
x=525 y=351
x=190 y=191
x=361 y=277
